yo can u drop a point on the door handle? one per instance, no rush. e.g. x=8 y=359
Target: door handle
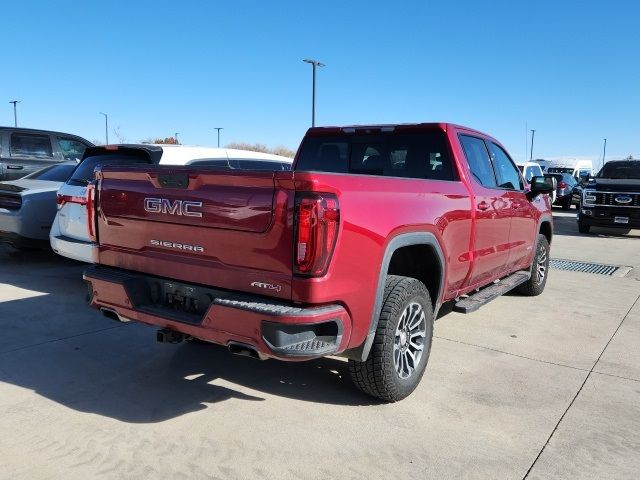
x=14 y=167
x=483 y=206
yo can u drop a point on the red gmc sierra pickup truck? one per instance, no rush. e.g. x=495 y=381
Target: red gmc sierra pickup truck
x=352 y=253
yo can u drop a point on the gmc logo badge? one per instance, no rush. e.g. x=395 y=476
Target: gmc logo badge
x=184 y=208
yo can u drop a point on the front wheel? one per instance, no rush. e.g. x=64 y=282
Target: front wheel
x=583 y=227
x=402 y=342
x=539 y=270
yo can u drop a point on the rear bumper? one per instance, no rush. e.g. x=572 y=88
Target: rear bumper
x=19 y=241
x=276 y=330
x=25 y=222
x=76 y=249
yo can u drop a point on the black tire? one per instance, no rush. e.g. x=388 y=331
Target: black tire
x=377 y=375
x=566 y=203
x=583 y=227
x=539 y=270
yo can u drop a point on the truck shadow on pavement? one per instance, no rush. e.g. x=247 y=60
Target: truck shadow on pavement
x=568 y=226
x=62 y=350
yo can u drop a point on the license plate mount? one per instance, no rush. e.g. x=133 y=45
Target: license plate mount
x=181 y=297
x=621 y=220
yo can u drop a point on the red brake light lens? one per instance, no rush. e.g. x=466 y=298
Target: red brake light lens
x=317 y=217
x=89 y=201
x=62 y=199
x=562 y=185
x=91 y=211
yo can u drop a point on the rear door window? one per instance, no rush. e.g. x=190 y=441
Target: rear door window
x=478 y=159
x=83 y=174
x=423 y=154
x=29 y=145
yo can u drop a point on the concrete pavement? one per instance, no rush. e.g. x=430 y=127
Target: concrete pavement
x=547 y=387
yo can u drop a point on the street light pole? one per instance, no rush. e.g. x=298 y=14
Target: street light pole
x=314 y=64
x=604 y=151
x=106 y=127
x=15 y=113
x=218 y=129
x=533 y=134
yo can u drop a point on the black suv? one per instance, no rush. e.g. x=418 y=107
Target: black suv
x=612 y=198
x=25 y=150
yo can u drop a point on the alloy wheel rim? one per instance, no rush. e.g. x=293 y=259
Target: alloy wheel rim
x=541 y=268
x=409 y=340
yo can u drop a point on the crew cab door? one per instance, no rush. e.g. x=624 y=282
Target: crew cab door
x=490 y=252
x=27 y=153
x=522 y=234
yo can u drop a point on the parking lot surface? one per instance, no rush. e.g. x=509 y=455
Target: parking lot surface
x=544 y=387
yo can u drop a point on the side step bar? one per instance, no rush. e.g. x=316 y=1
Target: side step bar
x=475 y=301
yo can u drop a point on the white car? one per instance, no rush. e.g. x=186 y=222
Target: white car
x=70 y=233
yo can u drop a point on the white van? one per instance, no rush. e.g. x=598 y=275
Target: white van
x=70 y=233
x=577 y=168
x=530 y=170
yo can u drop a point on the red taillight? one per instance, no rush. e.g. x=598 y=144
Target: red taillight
x=562 y=185
x=91 y=217
x=89 y=201
x=62 y=199
x=317 y=220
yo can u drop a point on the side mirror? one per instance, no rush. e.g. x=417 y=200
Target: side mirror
x=542 y=185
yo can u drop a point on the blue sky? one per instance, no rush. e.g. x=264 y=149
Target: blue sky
x=569 y=69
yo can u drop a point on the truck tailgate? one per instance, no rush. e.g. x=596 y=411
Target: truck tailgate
x=216 y=228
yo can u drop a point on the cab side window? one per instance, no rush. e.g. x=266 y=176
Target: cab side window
x=506 y=172
x=478 y=159
x=31 y=145
x=71 y=149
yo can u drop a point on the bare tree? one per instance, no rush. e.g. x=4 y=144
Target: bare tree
x=166 y=141
x=118 y=134
x=258 y=147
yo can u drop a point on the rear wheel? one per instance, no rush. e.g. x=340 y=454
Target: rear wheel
x=566 y=203
x=402 y=342
x=535 y=285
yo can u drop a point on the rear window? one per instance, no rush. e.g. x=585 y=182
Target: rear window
x=411 y=155
x=54 y=173
x=83 y=174
x=560 y=170
x=263 y=165
x=241 y=164
x=562 y=177
x=211 y=163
